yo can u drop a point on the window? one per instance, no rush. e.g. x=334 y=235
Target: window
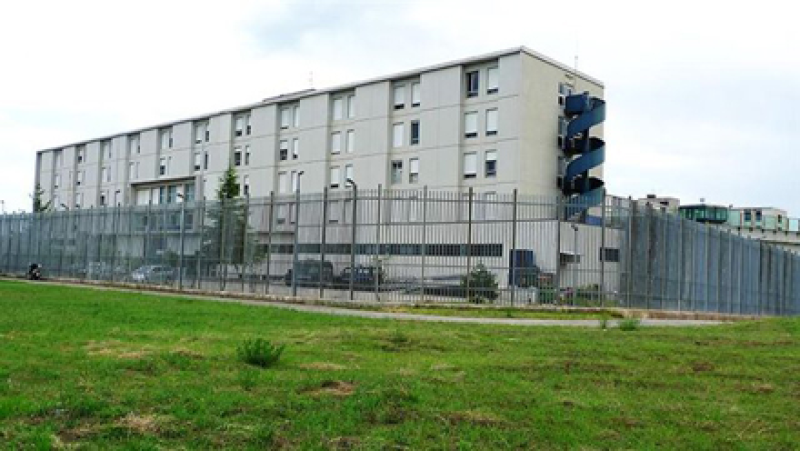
x=413 y=170
x=295 y=148
x=188 y=192
x=103 y=198
x=470 y=163
x=399 y=97
x=133 y=145
x=57 y=159
x=414 y=133
x=284 y=150
x=747 y=215
x=758 y=215
x=296 y=116
x=350 y=144
x=107 y=150
x=334 y=211
x=397 y=135
x=351 y=106
x=295 y=181
x=78 y=178
x=397 y=171
x=247 y=155
x=198 y=161
x=237 y=156
x=200 y=132
x=492 y=82
x=338 y=108
x=56 y=181
x=471 y=124
x=78 y=200
x=490 y=165
x=491 y=122
x=246 y=185
x=162 y=166
x=133 y=170
x=285 y=117
x=172 y=194
x=282 y=183
x=335 y=177
x=336 y=142
x=80 y=154
x=473 y=83
x=248 y=127
x=239 y=126
x=348 y=173
x=166 y=139
x=609 y=254
x=416 y=94
x=105 y=174
x=205 y=160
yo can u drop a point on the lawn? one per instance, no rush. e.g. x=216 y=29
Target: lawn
x=105 y=369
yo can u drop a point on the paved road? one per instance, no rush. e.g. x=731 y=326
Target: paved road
x=409 y=316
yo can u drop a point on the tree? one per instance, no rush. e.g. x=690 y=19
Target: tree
x=38 y=205
x=480 y=285
x=226 y=240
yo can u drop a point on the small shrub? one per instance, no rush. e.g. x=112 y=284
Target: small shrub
x=629 y=324
x=480 y=285
x=259 y=352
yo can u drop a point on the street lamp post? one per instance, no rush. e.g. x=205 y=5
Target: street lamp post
x=295 y=253
x=353 y=236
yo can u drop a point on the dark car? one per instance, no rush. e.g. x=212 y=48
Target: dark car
x=363 y=276
x=311 y=273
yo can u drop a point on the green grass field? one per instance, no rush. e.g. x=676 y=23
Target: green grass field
x=104 y=369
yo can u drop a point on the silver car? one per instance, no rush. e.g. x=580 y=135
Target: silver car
x=153 y=274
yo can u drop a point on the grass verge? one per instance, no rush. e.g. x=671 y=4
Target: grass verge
x=107 y=369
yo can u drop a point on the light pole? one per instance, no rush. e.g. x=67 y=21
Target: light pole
x=295 y=253
x=353 y=236
x=180 y=253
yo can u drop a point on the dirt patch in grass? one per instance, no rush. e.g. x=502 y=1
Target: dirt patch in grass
x=339 y=389
x=142 y=424
x=344 y=443
x=702 y=367
x=114 y=348
x=323 y=366
x=188 y=353
x=474 y=417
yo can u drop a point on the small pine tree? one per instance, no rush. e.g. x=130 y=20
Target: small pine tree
x=38 y=205
x=228 y=185
x=480 y=285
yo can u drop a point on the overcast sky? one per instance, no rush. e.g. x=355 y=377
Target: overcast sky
x=702 y=96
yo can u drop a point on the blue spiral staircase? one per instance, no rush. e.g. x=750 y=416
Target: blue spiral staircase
x=583 y=152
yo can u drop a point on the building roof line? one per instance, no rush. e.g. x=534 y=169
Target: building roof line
x=296 y=95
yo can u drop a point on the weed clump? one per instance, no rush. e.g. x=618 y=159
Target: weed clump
x=259 y=352
x=629 y=324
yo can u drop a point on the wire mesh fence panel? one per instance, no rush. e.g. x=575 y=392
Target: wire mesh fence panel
x=414 y=246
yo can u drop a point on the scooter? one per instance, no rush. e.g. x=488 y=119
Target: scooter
x=34 y=272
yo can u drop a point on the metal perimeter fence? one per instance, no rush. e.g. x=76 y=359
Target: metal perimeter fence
x=414 y=246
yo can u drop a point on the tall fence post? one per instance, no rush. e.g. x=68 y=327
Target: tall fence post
x=602 y=291
x=513 y=257
x=198 y=272
x=114 y=241
x=424 y=242
x=148 y=223
x=681 y=256
x=557 y=287
x=296 y=240
x=378 y=269
x=470 y=194
x=354 y=228
x=181 y=244
x=323 y=240
x=269 y=240
x=245 y=223
x=629 y=280
x=222 y=267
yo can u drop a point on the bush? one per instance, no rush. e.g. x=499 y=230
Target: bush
x=629 y=324
x=480 y=285
x=259 y=352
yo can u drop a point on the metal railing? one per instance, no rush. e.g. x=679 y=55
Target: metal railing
x=414 y=246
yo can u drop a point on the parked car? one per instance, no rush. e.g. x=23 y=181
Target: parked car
x=363 y=276
x=309 y=274
x=153 y=274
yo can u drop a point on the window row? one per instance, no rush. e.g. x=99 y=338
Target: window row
x=403 y=91
x=349 y=142
x=399 y=134
x=342 y=104
x=471 y=123
x=489 y=164
x=336 y=179
x=397 y=171
x=473 y=82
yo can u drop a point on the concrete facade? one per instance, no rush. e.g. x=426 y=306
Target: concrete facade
x=402 y=131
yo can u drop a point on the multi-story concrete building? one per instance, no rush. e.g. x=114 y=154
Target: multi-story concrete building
x=489 y=122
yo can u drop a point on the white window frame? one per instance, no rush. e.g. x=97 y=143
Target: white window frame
x=416 y=94
x=399 y=96
x=492 y=119
x=412 y=141
x=351 y=106
x=471 y=124
x=247 y=154
x=237 y=156
x=350 y=141
x=238 y=129
x=396 y=169
x=295 y=148
x=348 y=173
x=490 y=156
x=470 y=165
x=335 y=177
x=283 y=182
x=338 y=108
x=492 y=80
x=285 y=118
x=283 y=150
x=398 y=132
x=413 y=170
x=336 y=143
x=198 y=161
x=470 y=91
x=296 y=116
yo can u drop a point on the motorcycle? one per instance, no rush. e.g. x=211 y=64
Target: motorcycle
x=34 y=272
